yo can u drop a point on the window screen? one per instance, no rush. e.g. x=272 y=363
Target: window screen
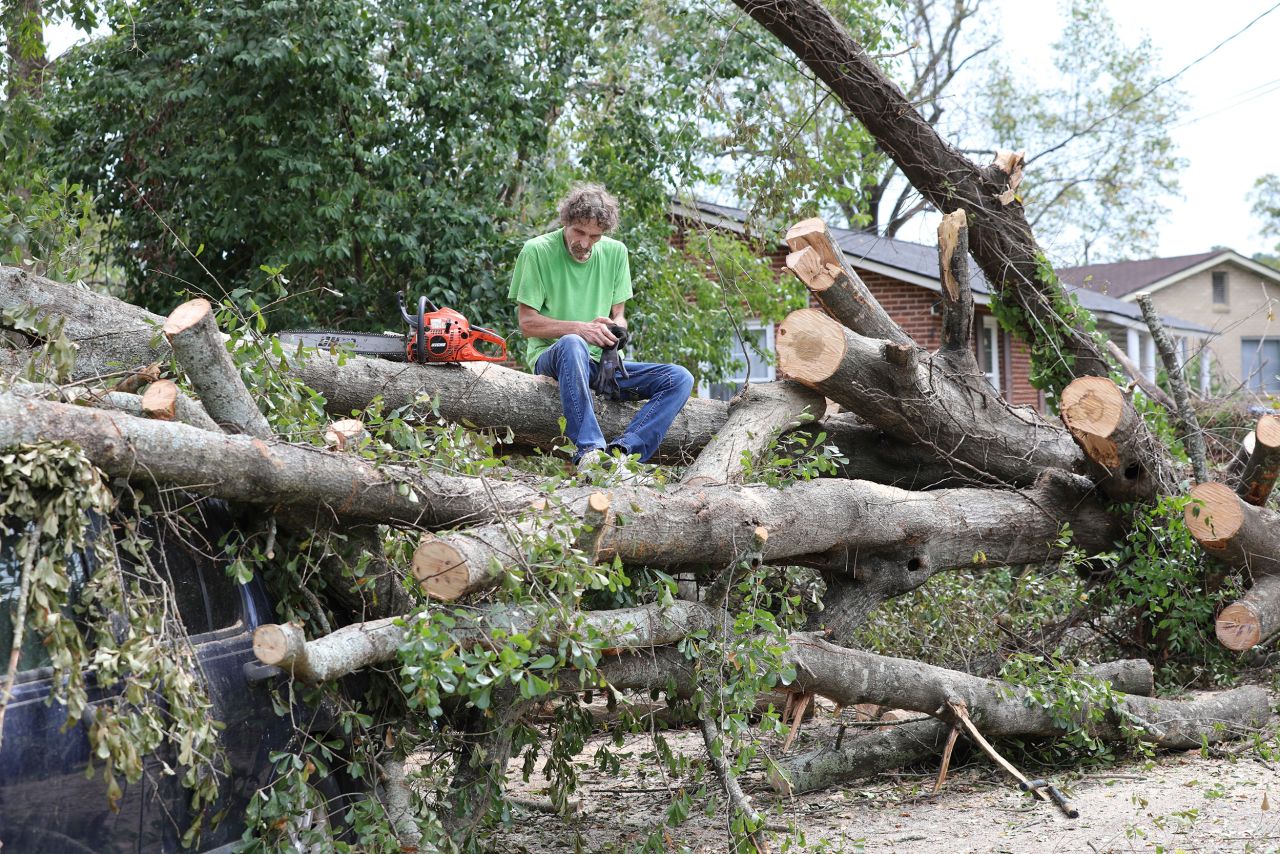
x=753 y=356
x=1261 y=360
x=1220 y=288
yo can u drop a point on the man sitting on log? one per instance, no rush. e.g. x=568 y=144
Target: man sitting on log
x=572 y=286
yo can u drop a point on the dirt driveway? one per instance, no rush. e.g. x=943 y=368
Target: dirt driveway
x=1178 y=802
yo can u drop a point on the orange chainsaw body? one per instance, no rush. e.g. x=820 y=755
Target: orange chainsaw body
x=444 y=335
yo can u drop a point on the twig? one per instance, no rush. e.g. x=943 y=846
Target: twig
x=711 y=737
x=1192 y=436
x=19 y=629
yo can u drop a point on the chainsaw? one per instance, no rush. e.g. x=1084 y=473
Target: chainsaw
x=435 y=336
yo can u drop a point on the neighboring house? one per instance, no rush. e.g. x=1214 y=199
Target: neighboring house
x=903 y=276
x=1237 y=298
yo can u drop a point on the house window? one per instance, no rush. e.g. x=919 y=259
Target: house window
x=1220 y=288
x=989 y=351
x=1261 y=360
x=752 y=358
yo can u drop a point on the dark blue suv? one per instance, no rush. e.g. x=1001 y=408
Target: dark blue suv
x=46 y=802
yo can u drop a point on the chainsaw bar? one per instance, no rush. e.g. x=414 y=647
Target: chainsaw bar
x=390 y=347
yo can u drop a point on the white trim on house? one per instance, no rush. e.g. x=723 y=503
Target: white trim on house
x=990 y=324
x=1224 y=256
x=754 y=365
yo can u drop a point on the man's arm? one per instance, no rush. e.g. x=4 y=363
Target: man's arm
x=533 y=324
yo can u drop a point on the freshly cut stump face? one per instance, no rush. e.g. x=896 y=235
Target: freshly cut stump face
x=1092 y=408
x=811 y=346
x=1238 y=627
x=1213 y=516
x=186 y=316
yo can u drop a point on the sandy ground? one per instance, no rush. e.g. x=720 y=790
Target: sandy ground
x=1178 y=802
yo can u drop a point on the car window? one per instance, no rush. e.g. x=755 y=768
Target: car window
x=33 y=654
x=207 y=599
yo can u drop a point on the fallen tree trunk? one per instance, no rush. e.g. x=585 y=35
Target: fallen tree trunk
x=907 y=744
x=848 y=526
x=884 y=541
x=1254 y=618
x=1000 y=710
x=910 y=399
x=757 y=415
x=1229 y=530
x=1001 y=239
x=1112 y=434
x=1263 y=466
x=361 y=645
x=112 y=337
x=485 y=396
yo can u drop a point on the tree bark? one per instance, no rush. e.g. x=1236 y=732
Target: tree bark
x=1263 y=465
x=919 y=401
x=957 y=295
x=1001 y=239
x=883 y=540
x=1231 y=531
x=1254 y=618
x=757 y=415
x=361 y=645
x=193 y=334
x=112 y=337
x=818 y=261
x=899 y=746
x=1112 y=434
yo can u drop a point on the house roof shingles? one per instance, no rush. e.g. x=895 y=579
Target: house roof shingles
x=1124 y=277
x=922 y=260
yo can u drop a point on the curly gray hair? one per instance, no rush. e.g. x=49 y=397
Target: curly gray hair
x=589 y=202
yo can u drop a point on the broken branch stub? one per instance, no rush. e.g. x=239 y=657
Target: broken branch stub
x=1231 y=531
x=1254 y=618
x=1109 y=430
x=193 y=334
x=1263 y=466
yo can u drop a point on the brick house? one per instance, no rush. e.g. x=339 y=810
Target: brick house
x=1238 y=298
x=903 y=276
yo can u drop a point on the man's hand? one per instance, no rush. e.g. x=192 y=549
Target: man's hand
x=597 y=332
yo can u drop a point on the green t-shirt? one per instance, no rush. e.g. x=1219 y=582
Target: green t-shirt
x=551 y=282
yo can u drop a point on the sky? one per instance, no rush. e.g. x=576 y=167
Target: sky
x=1230 y=131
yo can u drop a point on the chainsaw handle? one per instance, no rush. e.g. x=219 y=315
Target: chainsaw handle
x=479 y=333
x=422 y=330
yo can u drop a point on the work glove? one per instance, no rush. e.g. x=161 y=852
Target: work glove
x=611 y=368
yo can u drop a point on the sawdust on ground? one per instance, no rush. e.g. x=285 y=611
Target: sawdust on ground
x=1176 y=802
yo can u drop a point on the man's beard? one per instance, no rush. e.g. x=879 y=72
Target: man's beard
x=582 y=254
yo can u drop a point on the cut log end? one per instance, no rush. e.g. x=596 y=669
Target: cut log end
x=343 y=434
x=441 y=570
x=811 y=346
x=186 y=316
x=807 y=266
x=277 y=644
x=160 y=401
x=798 y=234
x=1093 y=405
x=1267 y=432
x=1214 y=514
x=1239 y=627
x=598 y=502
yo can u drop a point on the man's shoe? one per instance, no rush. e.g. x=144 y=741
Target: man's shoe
x=593 y=458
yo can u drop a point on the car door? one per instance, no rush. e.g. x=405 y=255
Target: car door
x=220 y=616
x=46 y=801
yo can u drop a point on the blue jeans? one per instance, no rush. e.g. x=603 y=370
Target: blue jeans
x=666 y=387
